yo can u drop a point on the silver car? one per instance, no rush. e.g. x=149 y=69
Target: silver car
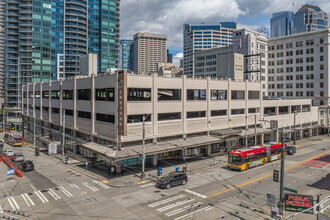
x=9 y=153
x=18 y=157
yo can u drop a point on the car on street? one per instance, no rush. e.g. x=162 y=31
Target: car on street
x=27 y=165
x=9 y=152
x=290 y=150
x=18 y=157
x=172 y=179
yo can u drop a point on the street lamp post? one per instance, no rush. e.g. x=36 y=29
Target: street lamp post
x=294 y=128
x=247 y=128
x=143 y=146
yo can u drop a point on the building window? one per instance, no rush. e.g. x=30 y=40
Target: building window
x=238 y=111
x=321 y=49
x=56 y=110
x=105 y=94
x=169 y=94
x=215 y=113
x=84 y=94
x=37 y=94
x=169 y=116
x=200 y=114
x=137 y=118
x=46 y=109
x=82 y=114
x=69 y=112
x=45 y=94
x=306 y=108
x=295 y=108
x=67 y=94
x=268 y=111
x=253 y=110
x=218 y=94
x=105 y=118
x=237 y=94
x=253 y=94
x=137 y=94
x=196 y=94
x=55 y=94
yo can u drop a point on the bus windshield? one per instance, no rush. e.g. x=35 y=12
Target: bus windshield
x=235 y=159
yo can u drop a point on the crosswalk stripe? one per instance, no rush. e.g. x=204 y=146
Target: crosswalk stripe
x=191 y=213
x=23 y=196
x=15 y=203
x=174 y=205
x=66 y=192
x=177 y=211
x=43 y=196
x=101 y=184
x=76 y=186
x=30 y=200
x=11 y=204
x=166 y=200
x=196 y=194
x=1 y=211
x=50 y=193
x=42 y=200
x=54 y=193
x=91 y=187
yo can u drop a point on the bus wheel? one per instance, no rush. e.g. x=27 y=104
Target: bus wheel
x=247 y=167
x=263 y=162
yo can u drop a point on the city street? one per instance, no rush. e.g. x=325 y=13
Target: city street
x=56 y=191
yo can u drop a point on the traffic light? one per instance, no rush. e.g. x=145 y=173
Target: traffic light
x=65 y=149
x=275 y=175
x=183 y=152
x=37 y=151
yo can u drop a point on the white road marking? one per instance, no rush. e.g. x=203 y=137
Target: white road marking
x=177 y=211
x=91 y=187
x=76 y=186
x=166 y=200
x=33 y=187
x=191 y=213
x=50 y=193
x=101 y=184
x=196 y=194
x=23 y=196
x=66 y=192
x=54 y=193
x=30 y=200
x=1 y=209
x=174 y=205
x=325 y=166
x=43 y=196
x=11 y=204
x=15 y=203
x=42 y=200
x=146 y=185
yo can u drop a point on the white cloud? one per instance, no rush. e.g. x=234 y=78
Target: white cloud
x=177 y=58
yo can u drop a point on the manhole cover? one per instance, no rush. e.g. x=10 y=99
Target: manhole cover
x=156 y=191
x=78 y=175
x=45 y=190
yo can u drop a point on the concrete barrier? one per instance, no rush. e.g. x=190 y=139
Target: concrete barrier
x=17 y=172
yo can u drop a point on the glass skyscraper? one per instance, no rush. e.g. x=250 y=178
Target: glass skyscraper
x=197 y=37
x=45 y=39
x=281 y=24
x=127 y=54
x=309 y=18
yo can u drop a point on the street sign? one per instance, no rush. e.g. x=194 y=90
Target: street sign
x=10 y=171
x=290 y=190
x=52 y=148
x=270 y=200
x=298 y=203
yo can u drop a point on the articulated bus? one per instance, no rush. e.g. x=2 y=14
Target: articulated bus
x=245 y=158
x=13 y=140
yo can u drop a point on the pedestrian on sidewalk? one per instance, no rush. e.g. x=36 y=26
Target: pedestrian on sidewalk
x=66 y=159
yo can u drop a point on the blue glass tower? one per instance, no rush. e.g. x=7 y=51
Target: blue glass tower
x=309 y=18
x=127 y=54
x=281 y=24
x=202 y=36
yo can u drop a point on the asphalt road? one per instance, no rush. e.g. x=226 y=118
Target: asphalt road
x=55 y=191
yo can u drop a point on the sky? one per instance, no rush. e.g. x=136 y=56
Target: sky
x=168 y=16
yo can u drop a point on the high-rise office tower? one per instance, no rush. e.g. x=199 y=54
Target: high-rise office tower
x=309 y=18
x=149 y=50
x=45 y=39
x=281 y=24
x=197 y=37
x=169 y=57
x=126 y=55
x=2 y=51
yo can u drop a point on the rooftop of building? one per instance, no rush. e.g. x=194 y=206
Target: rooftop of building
x=326 y=30
x=304 y=7
x=146 y=34
x=211 y=25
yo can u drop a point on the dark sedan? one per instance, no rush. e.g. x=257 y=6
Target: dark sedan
x=27 y=165
x=172 y=179
x=291 y=150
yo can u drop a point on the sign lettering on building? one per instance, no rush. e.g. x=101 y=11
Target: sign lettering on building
x=122 y=103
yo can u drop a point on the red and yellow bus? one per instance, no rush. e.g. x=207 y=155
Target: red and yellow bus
x=245 y=158
x=13 y=140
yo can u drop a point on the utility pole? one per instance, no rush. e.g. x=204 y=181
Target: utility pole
x=246 y=130
x=34 y=131
x=255 y=129
x=143 y=150
x=294 y=128
x=328 y=120
x=3 y=120
x=282 y=173
x=63 y=136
